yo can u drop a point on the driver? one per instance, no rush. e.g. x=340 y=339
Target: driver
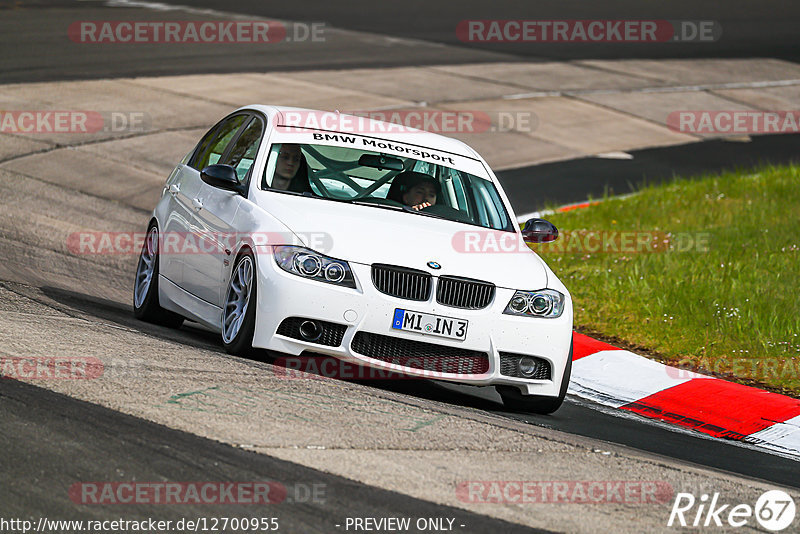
x=420 y=195
x=414 y=189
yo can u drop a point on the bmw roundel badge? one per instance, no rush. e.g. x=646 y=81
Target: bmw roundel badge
x=434 y=265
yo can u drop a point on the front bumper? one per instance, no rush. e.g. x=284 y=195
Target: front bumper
x=282 y=295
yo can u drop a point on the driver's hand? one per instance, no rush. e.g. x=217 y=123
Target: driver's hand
x=421 y=206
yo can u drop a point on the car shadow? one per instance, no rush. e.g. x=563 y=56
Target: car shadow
x=195 y=335
x=314 y=366
x=119 y=314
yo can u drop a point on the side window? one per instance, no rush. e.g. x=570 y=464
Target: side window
x=287 y=168
x=488 y=201
x=243 y=154
x=213 y=144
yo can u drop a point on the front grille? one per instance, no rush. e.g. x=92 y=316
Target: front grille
x=332 y=333
x=420 y=355
x=508 y=366
x=401 y=282
x=464 y=292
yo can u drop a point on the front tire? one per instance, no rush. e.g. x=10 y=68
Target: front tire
x=239 y=310
x=145 y=288
x=515 y=401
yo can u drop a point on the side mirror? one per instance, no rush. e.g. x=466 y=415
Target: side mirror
x=539 y=231
x=221 y=176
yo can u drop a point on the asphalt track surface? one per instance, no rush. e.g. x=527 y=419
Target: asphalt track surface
x=78 y=440
x=574 y=417
x=768 y=30
x=33 y=35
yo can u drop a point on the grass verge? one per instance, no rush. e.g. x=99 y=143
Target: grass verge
x=704 y=272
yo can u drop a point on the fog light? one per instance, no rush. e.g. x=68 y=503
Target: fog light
x=310 y=330
x=527 y=366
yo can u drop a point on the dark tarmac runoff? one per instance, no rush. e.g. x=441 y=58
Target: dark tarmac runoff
x=552 y=184
x=35 y=45
x=768 y=31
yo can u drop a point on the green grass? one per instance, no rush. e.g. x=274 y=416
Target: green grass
x=729 y=307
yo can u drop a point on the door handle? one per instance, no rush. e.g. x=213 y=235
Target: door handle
x=197 y=203
x=174 y=189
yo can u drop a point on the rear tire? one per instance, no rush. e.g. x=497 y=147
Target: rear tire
x=145 y=288
x=515 y=401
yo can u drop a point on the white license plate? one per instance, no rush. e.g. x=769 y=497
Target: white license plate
x=432 y=325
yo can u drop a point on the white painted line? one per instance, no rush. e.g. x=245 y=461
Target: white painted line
x=655 y=89
x=614 y=155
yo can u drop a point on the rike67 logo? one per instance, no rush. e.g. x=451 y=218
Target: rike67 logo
x=774 y=510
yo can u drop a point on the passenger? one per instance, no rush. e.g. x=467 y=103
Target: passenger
x=291 y=170
x=414 y=189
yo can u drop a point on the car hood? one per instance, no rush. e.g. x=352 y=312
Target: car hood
x=368 y=234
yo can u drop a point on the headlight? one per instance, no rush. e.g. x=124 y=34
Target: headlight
x=543 y=303
x=309 y=264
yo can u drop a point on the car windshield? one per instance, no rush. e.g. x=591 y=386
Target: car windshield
x=385 y=181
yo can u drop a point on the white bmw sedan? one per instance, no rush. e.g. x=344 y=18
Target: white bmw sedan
x=309 y=232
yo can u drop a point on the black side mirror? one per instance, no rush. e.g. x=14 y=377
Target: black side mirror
x=539 y=231
x=221 y=176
